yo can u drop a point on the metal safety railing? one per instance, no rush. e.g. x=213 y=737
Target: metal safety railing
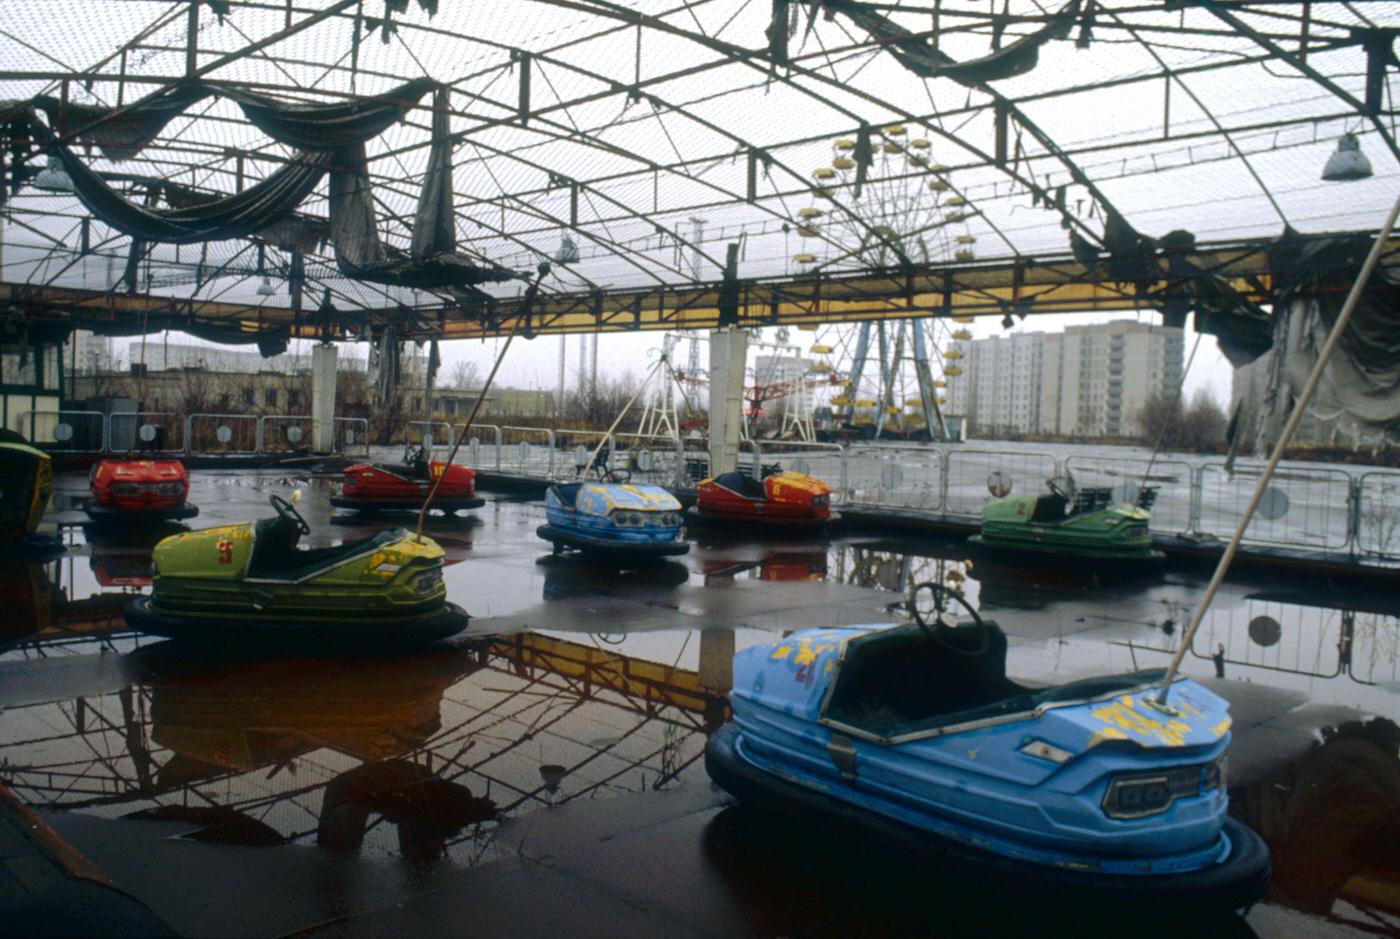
x=1306 y=506
x=351 y=435
x=77 y=431
x=66 y=431
x=1173 y=510
x=1303 y=507
x=159 y=431
x=223 y=433
x=905 y=477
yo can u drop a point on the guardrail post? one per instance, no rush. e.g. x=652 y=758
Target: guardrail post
x=845 y=477
x=497 y=429
x=549 y=470
x=189 y=436
x=1353 y=512
x=943 y=455
x=757 y=461
x=258 y=435
x=1193 y=520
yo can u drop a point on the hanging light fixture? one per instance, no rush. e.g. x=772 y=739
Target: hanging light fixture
x=53 y=177
x=1347 y=162
x=265 y=289
x=568 y=251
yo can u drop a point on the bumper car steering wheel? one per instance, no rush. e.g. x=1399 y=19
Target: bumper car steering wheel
x=288 y=512
x=929 y=601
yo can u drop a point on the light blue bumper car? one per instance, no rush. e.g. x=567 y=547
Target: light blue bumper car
x=613 y=522
x=1091 y=791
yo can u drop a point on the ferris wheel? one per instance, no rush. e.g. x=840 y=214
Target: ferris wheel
x=897 y=204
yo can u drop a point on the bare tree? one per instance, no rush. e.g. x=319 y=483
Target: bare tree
x=464 y=375
x=598 y=407
x=1200 y=426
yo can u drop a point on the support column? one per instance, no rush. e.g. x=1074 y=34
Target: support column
x=716 y=674
x=323 y=375
x=729 y=350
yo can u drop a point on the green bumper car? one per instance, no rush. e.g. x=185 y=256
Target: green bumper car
x=1070 y=526
x=250 y=581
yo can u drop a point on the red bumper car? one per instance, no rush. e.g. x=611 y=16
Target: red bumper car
x=398 y=487
x=139 y=490
x=782 y=501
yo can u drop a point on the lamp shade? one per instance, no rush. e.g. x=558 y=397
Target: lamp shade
x=567 y=253
x=1347 y=162
x=53 y=177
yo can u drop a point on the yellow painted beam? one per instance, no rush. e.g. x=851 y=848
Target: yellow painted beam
x=993 y=288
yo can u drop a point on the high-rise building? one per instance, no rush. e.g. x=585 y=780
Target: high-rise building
x=89 y=354
x=1089 y=381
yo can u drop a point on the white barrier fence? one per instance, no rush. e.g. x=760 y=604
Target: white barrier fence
x=68 y=431
x=1306 y=506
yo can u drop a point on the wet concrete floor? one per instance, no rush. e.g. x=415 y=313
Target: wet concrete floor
x=542 y=774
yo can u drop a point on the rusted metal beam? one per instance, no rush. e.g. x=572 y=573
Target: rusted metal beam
x=1048 y=284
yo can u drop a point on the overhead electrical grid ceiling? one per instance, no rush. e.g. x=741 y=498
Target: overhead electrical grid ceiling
x=234 y=166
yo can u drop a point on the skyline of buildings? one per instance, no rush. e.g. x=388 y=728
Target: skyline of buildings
x=1087 y=381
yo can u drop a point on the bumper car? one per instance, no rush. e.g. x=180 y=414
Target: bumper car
x=612 y=522
x=1086 y=792
x=1072 y=527
x=26 y=483
x=250 y=581
x=783 y=501
x=402 y=487
x=139 y=491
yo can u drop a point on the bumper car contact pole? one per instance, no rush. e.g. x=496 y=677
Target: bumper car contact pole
x=523 y=316
x=593 y=458
x=1294 y=418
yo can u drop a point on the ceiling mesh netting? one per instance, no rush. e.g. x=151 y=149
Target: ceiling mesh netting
x=815 y=137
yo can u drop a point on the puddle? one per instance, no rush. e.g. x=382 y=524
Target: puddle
x=432 y=757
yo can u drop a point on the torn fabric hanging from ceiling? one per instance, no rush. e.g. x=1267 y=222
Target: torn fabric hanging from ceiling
x=385 y=365
x=123 y=132
x=120 y=132
x=922 y=58
x=1360 y=387
x=329 y=126
x=234 y=216
x=433 y=263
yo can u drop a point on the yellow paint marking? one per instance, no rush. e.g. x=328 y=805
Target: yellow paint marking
x=1123 y=716
x=781 y=653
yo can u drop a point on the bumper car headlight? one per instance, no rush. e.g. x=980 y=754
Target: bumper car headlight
x=1142 y=794
x=427 y=582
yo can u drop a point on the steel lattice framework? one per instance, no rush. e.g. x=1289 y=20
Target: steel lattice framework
x=621 y=125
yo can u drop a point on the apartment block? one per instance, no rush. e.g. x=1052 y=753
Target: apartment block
x=1088 y=381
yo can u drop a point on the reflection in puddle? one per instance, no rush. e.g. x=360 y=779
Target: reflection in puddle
x=1332 y=823
x=432 y=746
x=437 y=754
x=27 y=595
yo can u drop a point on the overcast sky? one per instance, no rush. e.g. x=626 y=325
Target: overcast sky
x=534 y=363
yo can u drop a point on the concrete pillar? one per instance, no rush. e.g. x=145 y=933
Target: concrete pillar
x=729 y=350
x=717 y=660
x=323 y=375
x=716 y=674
